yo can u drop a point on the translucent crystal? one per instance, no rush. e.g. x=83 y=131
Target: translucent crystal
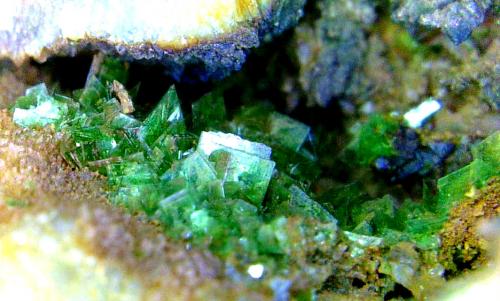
x=245 y=169
x=167 y=117
x=38 y=108
x=288 y=132
x=209 y=112
x=486 y=164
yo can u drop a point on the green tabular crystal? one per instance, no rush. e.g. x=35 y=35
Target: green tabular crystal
x=244 y=167
x=288 y=138
x=38 y=108
x=93 y=95
x=209 y=113
x=175 y=212
x=288 y=132
x=486 y=164
x=196 y=170
x=286 y=198
x=341 y=202
x=376 y=214
x=261 y=123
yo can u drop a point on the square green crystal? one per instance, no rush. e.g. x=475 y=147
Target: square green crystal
x=288 y=132
x=176 y=210
x=245 y=169
x=373 y=139
x=295 y=202
x=196 y=169
x=378 y=213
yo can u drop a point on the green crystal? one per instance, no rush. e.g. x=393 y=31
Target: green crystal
x=286 y=136
x=373 y=139
x=195 y=169
x=140 y=197
x=342 y=200
x=261 y=123
x=379 y=214
x=288 y=132
x=113 y=69
x=246 y=169
x=175 y=212
x=209 y=113
x=170 y=148
x=167 y=117
x=295 y=202
x=38 y=109
x=201 y=221
x=93 y=95
x=486 y=164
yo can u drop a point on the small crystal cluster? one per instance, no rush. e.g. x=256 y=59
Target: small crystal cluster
x=418 y=222
x=212 y=189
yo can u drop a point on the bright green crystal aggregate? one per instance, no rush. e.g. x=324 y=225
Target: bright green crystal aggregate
x=242 y=188
x=413 y=221
x=207 y=188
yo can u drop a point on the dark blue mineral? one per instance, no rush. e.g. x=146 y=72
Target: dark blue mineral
x=412 y=157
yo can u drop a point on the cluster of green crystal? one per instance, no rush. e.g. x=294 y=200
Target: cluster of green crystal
x=206 y=187
x=419 y=222
x=249 y=202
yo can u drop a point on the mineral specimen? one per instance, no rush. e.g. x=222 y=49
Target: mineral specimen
x=237 y=193
x=456 y=18
x=60 y=239
x=375 y=189
x=212 y=37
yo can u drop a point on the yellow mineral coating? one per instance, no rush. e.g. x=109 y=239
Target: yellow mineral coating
x=40 y=259
x=61 y=240
x=461 y=242
x=171 y=24
x=481 y=284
